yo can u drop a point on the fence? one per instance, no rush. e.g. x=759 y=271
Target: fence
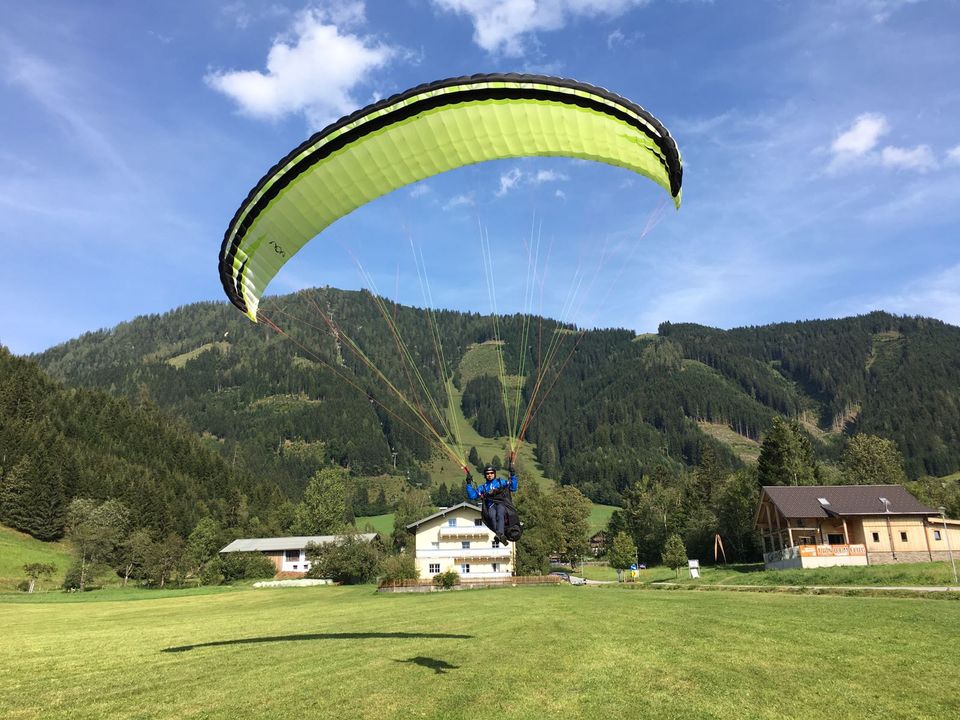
x=429 y=586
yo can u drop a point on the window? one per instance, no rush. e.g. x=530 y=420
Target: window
x=876 y=537
x=834 y=539
x=452 y=522
x=496 y=567
x=292 y=555
x=294 y=567
x=464 y=568
x=806 y=540
x=434 y=568
x=936 y=535
x=823 y=501
x=903 y=537
x=477 y=522
x=496 y=542
x=464 y=544
x=435 y=545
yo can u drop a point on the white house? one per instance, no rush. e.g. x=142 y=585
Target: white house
x=456 y=538
x=287 y=553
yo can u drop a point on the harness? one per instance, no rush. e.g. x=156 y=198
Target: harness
x=512 y=527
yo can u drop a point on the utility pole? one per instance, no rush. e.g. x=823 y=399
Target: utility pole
x=953 y=564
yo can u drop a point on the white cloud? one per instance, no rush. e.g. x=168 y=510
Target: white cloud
x=881 y=10
x=505 y=26
x=953 y=155
x=544 y=176
x=862 y=137
x=615 y=38
x=858 y=145
x=508 y=181
x=241 y=16
x=420 y=189
x=459 y=201
x=312 y=70
x=560 y=194
x=919 y=158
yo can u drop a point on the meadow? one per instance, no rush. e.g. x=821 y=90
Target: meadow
x=530 y=652
x=18 y=549
x=935 y=574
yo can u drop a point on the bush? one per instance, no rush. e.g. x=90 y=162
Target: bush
x=212 y=572
x=348 y=559
x=246 y=566
x=399 y=567
x=71 y=581
x=446 y=580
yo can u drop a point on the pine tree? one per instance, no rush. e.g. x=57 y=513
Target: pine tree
x=786 y=456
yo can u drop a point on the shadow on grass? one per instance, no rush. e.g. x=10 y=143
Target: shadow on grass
x=324 y=636
x=440 y=667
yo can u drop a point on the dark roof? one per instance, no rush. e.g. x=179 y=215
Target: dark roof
x=804 y=501
x=441 y=513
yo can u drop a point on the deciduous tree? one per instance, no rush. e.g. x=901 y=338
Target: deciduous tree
x=324 y=507
x=674 y=554
x=872 y=460
x=37 y=570
x=623 y=554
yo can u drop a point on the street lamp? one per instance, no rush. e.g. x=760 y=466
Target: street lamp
x=953 y=564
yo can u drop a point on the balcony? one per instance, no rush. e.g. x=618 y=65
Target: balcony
x=467 y=532
x=499 y=554
x=807 y=556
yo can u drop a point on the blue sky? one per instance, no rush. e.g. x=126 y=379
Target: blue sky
x=821 y=145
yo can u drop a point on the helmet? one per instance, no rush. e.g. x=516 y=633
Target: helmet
x=489 y=469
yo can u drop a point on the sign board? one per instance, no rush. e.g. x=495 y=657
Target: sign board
x=694 y=567
x=832 y=550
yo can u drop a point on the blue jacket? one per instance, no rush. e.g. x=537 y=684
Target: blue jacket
x=475 y=492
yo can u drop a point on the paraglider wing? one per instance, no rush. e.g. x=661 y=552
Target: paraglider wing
x=419 y=133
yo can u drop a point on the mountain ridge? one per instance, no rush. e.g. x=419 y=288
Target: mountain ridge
x=635 y=398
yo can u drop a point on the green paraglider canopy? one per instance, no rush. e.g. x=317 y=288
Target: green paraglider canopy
x=419 y=133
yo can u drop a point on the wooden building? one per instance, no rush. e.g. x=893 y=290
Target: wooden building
x=288 y=554
x=819 y=526
x=598 y=541
x=455 y=538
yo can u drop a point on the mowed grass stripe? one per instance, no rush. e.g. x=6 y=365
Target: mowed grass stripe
x=532 y=652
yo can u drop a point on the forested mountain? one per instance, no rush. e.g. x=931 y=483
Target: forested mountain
x=57 y=444
x=280 y=405
x=624 y=404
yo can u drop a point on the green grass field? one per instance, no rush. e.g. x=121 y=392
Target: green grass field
x=937 y=574
x=542 y=652
x=17 y=549
x=382 y=524
x=898 y=575
x=600 y=516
